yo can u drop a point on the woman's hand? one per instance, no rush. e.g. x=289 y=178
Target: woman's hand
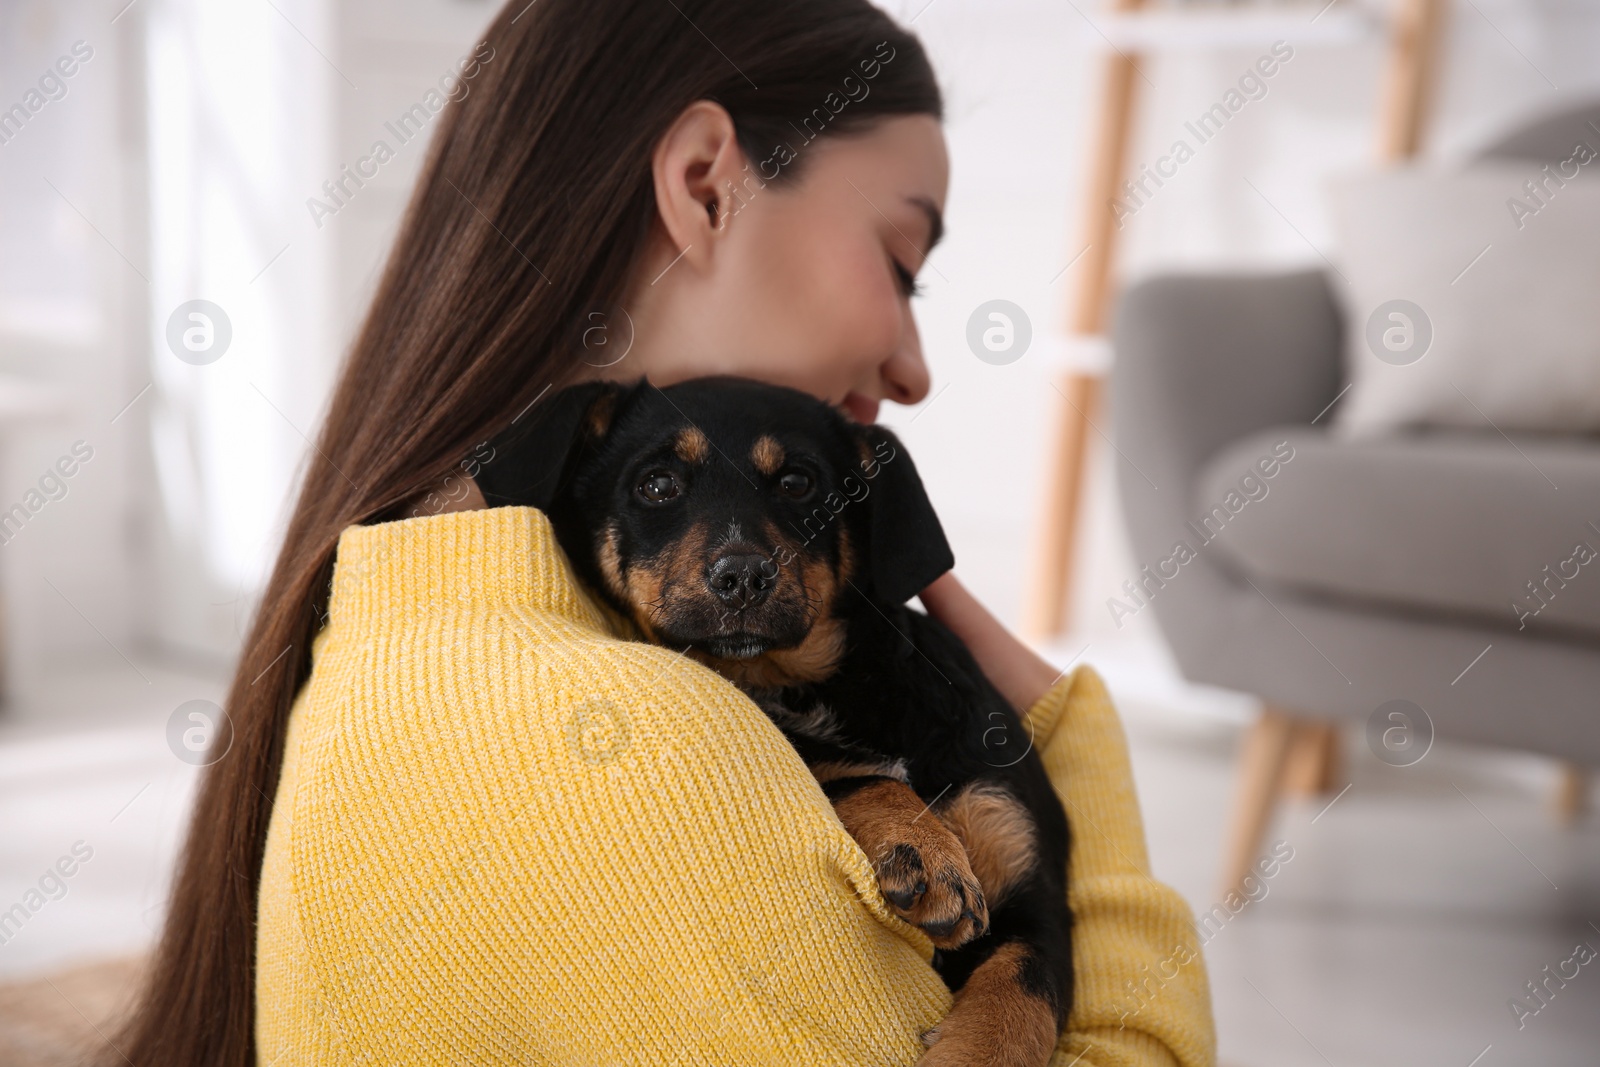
x=1020 y=674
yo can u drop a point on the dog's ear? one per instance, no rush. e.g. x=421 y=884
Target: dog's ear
x=907 y=549
x=531 y=456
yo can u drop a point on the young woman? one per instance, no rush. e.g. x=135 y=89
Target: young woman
x=460 y=821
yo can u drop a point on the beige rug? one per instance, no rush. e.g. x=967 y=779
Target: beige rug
x=64 y=1019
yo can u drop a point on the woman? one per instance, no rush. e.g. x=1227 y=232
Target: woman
x=498 y=833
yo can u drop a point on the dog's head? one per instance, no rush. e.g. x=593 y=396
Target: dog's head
x=725 y=516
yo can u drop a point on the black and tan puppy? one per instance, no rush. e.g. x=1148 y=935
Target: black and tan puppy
x=776 y=541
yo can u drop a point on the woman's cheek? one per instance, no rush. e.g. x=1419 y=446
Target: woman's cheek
x=833 y=290
x=871 y=317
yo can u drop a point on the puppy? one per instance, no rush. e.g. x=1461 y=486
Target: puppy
x=774 y=540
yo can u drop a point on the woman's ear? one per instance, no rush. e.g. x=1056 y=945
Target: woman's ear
x=532 y=455
x=906 y=548
x=693 y=165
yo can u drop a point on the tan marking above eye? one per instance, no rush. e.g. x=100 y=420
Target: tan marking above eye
x=601 y=413
x=691 y=445
x=865 y=451
x=767 y=455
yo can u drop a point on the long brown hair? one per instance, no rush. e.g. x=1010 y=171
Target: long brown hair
x=535 y=200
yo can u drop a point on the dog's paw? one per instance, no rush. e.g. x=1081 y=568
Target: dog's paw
x=930 y=884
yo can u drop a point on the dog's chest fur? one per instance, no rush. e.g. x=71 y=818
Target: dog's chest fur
x=907 y=689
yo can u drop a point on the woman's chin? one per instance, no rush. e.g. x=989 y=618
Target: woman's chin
x=860 y=408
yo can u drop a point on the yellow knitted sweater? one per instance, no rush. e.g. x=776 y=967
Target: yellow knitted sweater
x=504 y=835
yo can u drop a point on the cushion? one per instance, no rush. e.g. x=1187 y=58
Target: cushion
x=1469 y=297
x=1445 y=521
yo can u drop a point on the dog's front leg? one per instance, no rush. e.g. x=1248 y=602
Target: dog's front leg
x=922 y=868
x=1003 y=1015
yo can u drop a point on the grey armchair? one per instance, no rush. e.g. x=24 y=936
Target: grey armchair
x=1368 y=571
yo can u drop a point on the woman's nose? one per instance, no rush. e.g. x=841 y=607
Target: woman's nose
x=905 y=374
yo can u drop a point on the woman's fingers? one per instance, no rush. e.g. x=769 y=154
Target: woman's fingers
x=1020 y=674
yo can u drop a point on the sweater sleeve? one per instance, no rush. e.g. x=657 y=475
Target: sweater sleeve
x=1142 y=996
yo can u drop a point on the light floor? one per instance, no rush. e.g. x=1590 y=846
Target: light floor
x=1413 y=909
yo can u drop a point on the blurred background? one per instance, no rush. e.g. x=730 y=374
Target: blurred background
x=177 y=284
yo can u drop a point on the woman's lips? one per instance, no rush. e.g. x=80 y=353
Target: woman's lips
x=863 y=409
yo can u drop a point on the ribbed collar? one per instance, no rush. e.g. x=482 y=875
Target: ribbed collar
x=493 y=558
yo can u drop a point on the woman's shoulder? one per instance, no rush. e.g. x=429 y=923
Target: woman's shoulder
x=466 y=640
x=506 y=671
x=443 y=725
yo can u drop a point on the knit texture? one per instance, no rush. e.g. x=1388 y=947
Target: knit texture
x=505 y=835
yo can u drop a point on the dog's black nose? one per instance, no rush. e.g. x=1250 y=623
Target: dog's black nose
x=742 y=581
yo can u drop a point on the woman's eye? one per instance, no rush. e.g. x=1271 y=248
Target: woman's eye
x=796 y=484
x=908 y=282
x=658 y=487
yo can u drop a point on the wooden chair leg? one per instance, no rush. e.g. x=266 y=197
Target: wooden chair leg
x=1261 y=765
x=1050 y=604
x=1313 y=764
x=1572 y=793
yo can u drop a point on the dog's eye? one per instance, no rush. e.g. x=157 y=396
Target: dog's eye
x=796 y=484
x=658 y=487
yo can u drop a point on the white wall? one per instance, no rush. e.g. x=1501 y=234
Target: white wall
x=72 y=268
x=239 y=126
x=396 y=51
